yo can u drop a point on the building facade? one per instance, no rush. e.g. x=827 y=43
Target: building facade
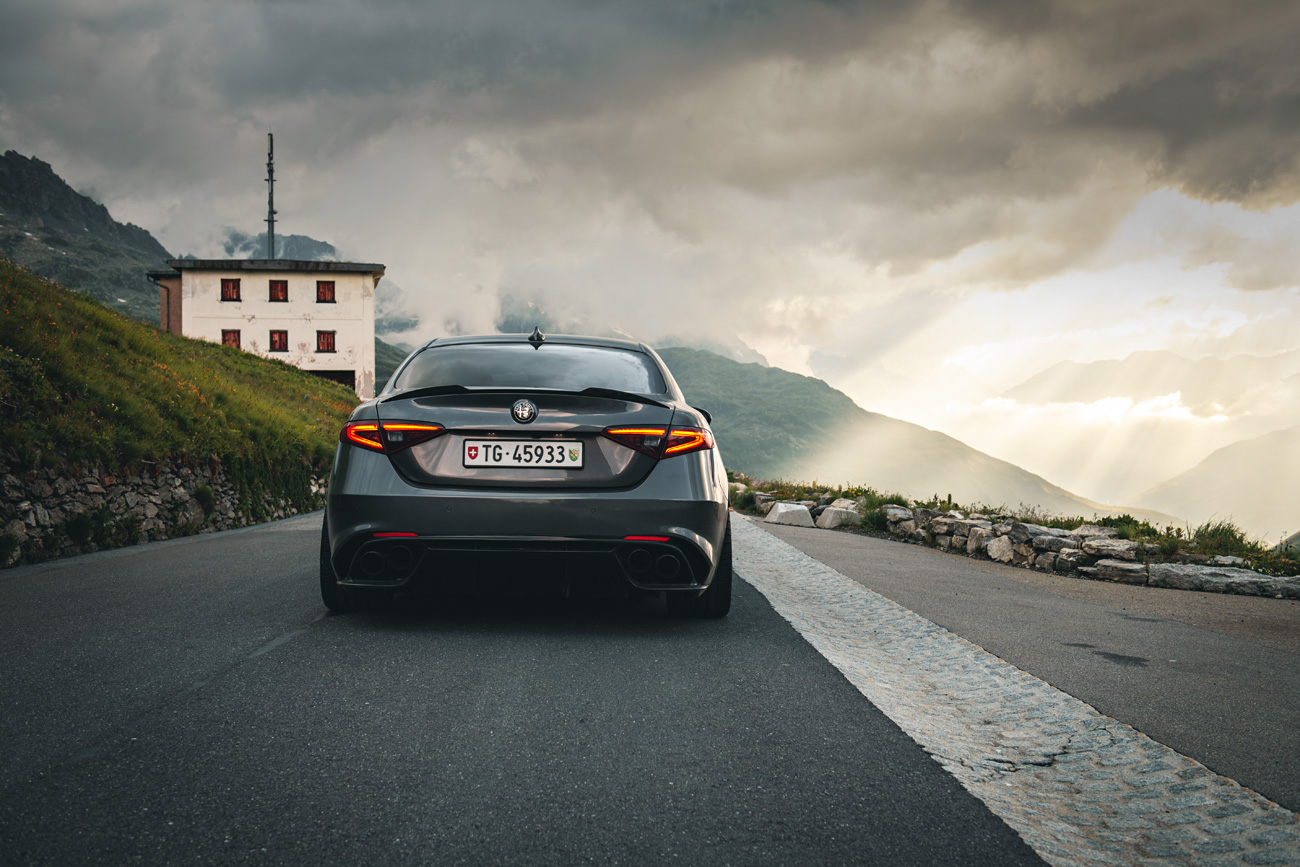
x=319 y=316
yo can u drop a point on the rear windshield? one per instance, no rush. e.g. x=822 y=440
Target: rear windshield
x=519 y=365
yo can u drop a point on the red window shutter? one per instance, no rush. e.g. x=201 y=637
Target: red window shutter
x=324 y=291
x=230 y=337
x=324 y=341
x=229 y=289
x=279 y=290
x=279 y=341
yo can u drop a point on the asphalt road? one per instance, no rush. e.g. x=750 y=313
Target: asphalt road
x=1215 y=677
x=191 y=702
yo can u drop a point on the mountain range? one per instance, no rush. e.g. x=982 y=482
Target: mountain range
x=1214 y=438
x=773 y=423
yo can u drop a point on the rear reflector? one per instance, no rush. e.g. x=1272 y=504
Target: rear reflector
x=395 y=535
x=388 y=436
x=646 y=539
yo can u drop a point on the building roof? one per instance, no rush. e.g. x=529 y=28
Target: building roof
x=271 y=265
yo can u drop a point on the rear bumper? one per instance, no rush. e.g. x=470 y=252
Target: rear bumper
x=506 y=566
x=468 y=538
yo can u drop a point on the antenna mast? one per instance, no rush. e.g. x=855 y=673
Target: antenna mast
x=270 y=196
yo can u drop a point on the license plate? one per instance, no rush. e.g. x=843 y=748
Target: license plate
x=523 y=453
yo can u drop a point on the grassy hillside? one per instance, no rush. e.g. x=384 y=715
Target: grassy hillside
x=81 y=384
x=387 y=357
x=764 y=417
x=773 y=424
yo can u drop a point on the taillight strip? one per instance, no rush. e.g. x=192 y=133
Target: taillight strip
x=683 y=440
x=376 y=435
x=659 y=442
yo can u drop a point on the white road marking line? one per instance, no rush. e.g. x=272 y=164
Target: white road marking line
x=1079 y=787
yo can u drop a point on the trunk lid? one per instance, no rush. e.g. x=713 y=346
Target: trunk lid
x=564 y=422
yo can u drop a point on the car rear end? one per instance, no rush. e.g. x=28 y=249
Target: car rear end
x=552 y=467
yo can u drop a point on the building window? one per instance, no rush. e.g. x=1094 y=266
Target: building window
x=324 y=291
x=279 y=290
x=229 y=289
x=230 y=336
x=325 y=341
x=279 y=341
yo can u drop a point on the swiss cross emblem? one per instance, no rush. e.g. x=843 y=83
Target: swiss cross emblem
x=473 y=452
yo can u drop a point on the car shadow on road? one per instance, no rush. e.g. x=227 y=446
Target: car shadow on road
x=522 y=615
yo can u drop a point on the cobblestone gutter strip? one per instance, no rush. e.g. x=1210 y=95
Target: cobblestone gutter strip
x=1079 y=787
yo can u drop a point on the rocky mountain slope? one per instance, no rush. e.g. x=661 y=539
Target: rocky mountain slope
x=72 y=239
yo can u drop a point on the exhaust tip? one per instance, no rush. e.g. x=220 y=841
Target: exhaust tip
x=640 y=561
x=372 y=563
x=400 y=557
x=668 y=567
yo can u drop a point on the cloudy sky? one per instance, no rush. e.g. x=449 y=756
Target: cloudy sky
x=923 y=203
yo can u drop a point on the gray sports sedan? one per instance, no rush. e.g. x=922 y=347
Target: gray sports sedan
x=528 y=465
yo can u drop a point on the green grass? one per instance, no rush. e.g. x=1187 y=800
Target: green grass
x=81 y=384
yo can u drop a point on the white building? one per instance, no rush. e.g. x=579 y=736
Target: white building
x=319 y=316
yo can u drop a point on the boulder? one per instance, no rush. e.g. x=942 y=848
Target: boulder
x=1068 y=560
x=1222 y=579
x=834 y=517
x=903 y=528
x=1120 y=571
x=1055 y=544
x=943 y=542
x=978 y=540
x=1045 y=561
x=924 y=516
x=1021 y=533
x=894 y=513
x=1000 y=549
x=1022 y=554
x=943 y=525
x=793 y=514
x=843 y=503
x=1121 y=549
x=1092 y=531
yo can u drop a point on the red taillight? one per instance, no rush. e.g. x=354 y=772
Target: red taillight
x=396 y=535
x=646 y=539
x=362 y=433
x=644 y=439
x=687 y=439
x=661 y=442
x=388 y=436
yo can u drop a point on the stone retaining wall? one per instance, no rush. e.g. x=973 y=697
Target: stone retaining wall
x=45 y=513
x=1089 y=551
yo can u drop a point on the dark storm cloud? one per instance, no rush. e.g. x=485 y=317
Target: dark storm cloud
x=904 y=132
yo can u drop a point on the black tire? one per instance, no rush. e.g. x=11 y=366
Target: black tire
x=715 y=601
x=336 y=598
